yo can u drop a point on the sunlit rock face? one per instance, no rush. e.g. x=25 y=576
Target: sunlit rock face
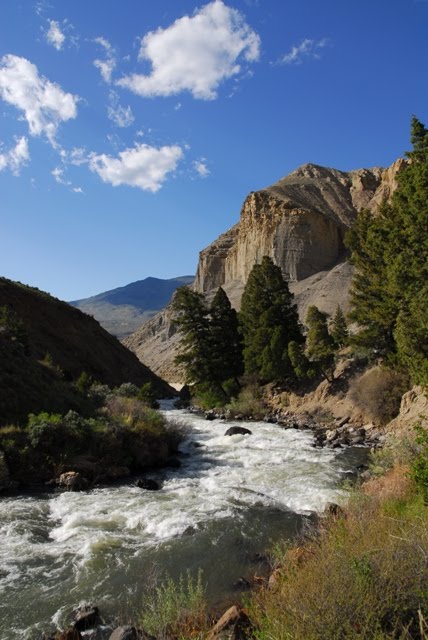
x=300 y=222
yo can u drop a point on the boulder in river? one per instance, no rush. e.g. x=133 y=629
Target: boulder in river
x=68 y=634
x=72 y=481
x=232 y=431
x=130 y=633
x=4 y=473
x=148 y=484
x=86 y=617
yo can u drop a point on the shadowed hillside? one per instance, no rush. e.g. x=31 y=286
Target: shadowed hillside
x=45 y=344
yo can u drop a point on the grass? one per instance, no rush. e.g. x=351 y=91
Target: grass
x=363 y=576
x=176 y=609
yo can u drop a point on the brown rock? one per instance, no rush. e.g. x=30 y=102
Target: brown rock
x=72 y=481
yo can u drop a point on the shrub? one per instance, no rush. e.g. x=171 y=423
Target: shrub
x=175 y=609
x=363 y=576
x=249 y=403
x=378 y=393
x=419 y=468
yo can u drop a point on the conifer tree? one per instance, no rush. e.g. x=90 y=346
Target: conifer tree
x=339 y=328
x=226 y=347
x=390 y=252
x=269 y=322
x=319 y=343
x=192 y=319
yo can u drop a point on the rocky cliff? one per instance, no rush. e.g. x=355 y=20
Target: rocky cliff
x=300 y=221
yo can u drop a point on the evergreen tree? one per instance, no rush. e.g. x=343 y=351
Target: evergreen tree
x=226 y=347
x=300 y=363
x=269 y=322
x=319 y=343
x=390 y=252
x=339 y=328
x=192 y=319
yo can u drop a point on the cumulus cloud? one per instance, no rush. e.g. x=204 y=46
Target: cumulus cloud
x=77 y=189
x=196 y=53
x=306 y=49
x=16 y=157
x=142 y=166
x=201 y=168
x=44 y=104
x=108 y=65
x=54 y=35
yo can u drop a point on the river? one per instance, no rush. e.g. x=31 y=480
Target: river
x=230 y=500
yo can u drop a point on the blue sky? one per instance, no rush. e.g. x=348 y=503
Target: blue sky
x=131 y=131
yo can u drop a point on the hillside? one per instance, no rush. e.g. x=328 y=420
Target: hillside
x=56 y=344
x=123 y=310
x=300 y=222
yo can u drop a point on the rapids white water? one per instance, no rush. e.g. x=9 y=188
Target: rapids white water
x=230 y=498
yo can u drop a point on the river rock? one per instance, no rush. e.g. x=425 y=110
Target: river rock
x=4 y=472
x=86 y=617
x=68 y=634
x=130 y=633
x=232 y=431
x=148 y=484
x=72 y=481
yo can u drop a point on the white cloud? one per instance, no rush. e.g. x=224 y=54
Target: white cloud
x=16 y=157
x=58 y=174
x=108 y=65
x=201 y=168
x=121 y=116
x=306 y=49
x=196 y=53
x=142 y=166
x=76 y=156
x=54 y=35
x=77 y=189
x=44 y=104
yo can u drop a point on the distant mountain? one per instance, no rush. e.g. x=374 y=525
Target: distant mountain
x=45 y=345
x=123 y=310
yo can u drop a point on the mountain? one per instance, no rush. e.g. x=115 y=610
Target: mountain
x=123 y=310
x=300 y=222
x=45 y=344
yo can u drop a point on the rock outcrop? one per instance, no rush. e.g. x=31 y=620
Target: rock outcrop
x=300 y=222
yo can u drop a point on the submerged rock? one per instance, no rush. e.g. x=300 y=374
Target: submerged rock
x=232 y=431
x=148 y=484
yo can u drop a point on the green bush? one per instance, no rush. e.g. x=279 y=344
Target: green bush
x=175 y=609
x=419 y=468
x=249 y=403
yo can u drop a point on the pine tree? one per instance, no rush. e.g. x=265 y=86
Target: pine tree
x=192 y=320
x=390 y=252
x=226 y=347
x=269 y=321
x=339 y=328
x=319 y=343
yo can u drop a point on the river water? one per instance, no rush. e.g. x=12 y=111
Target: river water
x=230 y=500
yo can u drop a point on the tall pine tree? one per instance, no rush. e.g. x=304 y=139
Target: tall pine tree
x=390 y=252
x=226 y=346
x=269 y=323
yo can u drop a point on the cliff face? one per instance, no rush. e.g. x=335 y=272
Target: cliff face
x=300 y=222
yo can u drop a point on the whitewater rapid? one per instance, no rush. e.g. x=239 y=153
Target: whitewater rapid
x=229 y=499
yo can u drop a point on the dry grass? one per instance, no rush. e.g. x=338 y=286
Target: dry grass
x=364 y=576
x=377 y=393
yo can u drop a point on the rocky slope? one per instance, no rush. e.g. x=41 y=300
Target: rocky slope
x=123 y=310
x=300 y=221
x=59 y=342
